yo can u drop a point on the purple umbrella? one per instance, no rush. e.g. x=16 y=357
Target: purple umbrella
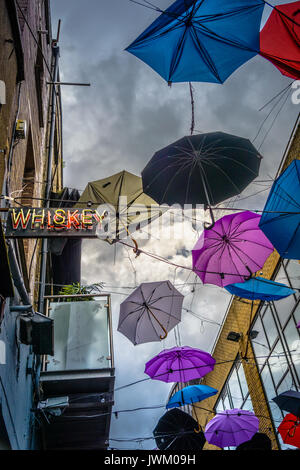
x=180 y=364
x=232 y=250
x=231 y=428
x=152 y=310
x=298 y=325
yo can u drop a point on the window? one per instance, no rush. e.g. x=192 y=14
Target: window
x=29 y=173
x=39 y=81
x=269 y=326
x=278 y=339
x=81 y=336
x=291 y=334
x=293 y=272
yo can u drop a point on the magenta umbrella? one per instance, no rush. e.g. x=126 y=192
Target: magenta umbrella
x=231 y=428
x=180 y=364
x=232 y=250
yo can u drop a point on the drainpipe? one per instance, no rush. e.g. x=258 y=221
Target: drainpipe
x=16 y=275
x=55 y=52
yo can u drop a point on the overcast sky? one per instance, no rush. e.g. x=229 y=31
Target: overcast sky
x=118 y=123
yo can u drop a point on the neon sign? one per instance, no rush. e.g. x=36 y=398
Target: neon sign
x=33 y=222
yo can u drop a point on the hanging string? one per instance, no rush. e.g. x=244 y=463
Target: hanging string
x=193 y=108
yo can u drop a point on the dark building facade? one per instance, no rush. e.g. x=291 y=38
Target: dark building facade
x=52 y=383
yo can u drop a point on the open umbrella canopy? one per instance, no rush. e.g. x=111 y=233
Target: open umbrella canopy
x=153 y=309
x=280 y=39
x=175 y=431
x=289 y=401
x=122 y=196
x=260 y=441
x=259 y=288
x=289 y=429
x=191 y=394
x=180 y=364
x=201 y=169
x=231 y=428
x=234 y=248
x=201 y=40
x=280 y=220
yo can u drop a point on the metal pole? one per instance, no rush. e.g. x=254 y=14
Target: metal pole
x=55 y=52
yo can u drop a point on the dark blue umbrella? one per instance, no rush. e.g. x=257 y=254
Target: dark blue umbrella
x=280 y=220
x=201 y=169
x=259 y=288
x=289 y=401
x=191 y=394
x=175 y=431
x=201 y=40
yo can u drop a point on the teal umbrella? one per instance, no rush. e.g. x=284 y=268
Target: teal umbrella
x=259 y=288
x=191 y=394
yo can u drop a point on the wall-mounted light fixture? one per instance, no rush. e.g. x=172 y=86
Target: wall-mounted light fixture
x=234 y=336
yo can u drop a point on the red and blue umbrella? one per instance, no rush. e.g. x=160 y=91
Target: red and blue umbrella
x=232 y=250
x=280 y=220
x=231 y=428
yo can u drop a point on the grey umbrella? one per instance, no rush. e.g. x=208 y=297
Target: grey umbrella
x=152 y=310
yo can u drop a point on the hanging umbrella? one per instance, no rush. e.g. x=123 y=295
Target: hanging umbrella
x=231 y=428
x=175 y=431
x=122 y=196
x=232 y=250
x=289 y=401
x=180 y=364
x=280 y=39
x=259 y=441
x=201 y=169
x=153 y=309
x=259 y=288
x=289 y=429
x=204 y=41
x=191 y=394
x=280 y=220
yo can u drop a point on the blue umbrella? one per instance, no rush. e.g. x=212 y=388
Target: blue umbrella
x=280 y=220
x=201 y=40
x=191 y=394
x=259 y=288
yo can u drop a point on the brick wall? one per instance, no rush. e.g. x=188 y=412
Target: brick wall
x=29 y=110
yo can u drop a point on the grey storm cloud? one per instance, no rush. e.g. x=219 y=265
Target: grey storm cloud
x=118 y=123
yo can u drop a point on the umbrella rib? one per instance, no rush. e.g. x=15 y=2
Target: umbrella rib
x=205 y=55
x=174 y=176
x=223 y=39
x=128 y=314
x=236 y=248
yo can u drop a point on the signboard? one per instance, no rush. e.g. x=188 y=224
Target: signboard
x=34 y=222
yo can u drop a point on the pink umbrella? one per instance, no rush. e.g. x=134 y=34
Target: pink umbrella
x=231 y=428
x=180 y=364
x=232 y=250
